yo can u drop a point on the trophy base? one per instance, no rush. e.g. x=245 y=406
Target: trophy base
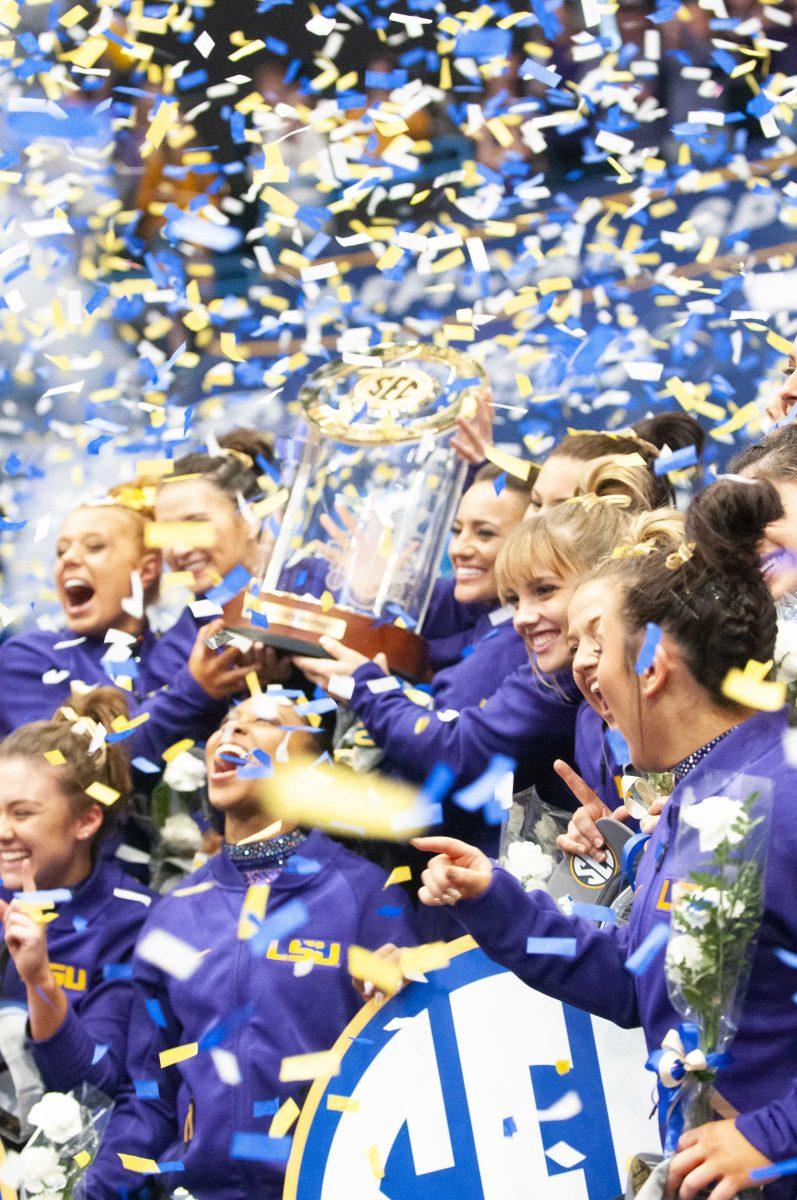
x=295 y=624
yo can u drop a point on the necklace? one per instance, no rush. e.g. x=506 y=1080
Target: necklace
x=261 y=862
x=682 y=768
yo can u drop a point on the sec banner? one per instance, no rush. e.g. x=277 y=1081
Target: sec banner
x=466 y=1088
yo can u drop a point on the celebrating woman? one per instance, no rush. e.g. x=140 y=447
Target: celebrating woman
x=211 y=978
x=70 y=915
x=715 y=614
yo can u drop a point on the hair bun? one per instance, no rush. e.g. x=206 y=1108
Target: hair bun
x=676 y=430
x=251 y=442
x=726 y=522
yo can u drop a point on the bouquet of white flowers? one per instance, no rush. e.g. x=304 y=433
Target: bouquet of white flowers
x=64 y=1142
x=715 y=917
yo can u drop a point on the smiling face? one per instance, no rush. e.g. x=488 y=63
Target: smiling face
x=540 y=618
x=618 y=682
x=255 y=724
x=97 y=552
x=481 y=527
x=583 y=618
x=557 y=480
x=39 y=827
x=236 y=539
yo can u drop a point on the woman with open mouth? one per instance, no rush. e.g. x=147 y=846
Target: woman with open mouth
x=105 y=576
x=62 y=790
x=247 y=998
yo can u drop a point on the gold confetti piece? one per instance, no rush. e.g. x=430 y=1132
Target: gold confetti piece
x=171 y=752
x=385 y=974
x=142 y=1166
x=55 y=758
x=82 y=1158
x=562 y=1066
x=520 y=468
x=156 y=131
x=229 y=347
x=398 y=875
x=284 y=1117
x=342 y=1104
x=122 y=724
x=253 y=910
x=155 y=466
x=623 y=176
x=297 y=1068
x=160 y=535
x=432 y=956
x=253 y=683
x=75 y=14
x=750 y=688
x=779 y=343
x=178 y=1054
x=708 y=250
x=421 y=724
x=375 y=1162
x=327 y=601
x=102 y=793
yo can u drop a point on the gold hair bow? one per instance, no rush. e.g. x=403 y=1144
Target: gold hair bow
x=680 y=556
x=636 y=550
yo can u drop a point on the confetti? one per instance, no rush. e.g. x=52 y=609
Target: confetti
x=300 y=1067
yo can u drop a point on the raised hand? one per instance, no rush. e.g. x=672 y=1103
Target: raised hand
x=26 y=936
x=457 y=871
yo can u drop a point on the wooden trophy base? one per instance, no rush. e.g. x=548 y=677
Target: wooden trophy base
x=295 y=624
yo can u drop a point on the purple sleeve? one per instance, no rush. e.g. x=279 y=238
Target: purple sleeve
x=90 y=1047
x=24 y=697
x=773 y=1129
x=519 y=713
x=140 y=1126
x=182 y=709
x=594 y=979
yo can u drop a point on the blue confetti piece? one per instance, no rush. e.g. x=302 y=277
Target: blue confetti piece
x=510 y=1128
x=482 y=44
x=594 y=912
x=143 y=764
x=222 y=1029
x=559 y=947
x=11 y=526
x=618 y=746
x=318 y=707
x=390 y=910
x=647 y=654
x=300 y=864
x=786 y=956
x=46 y=896
x=79 y=924
x=155 y=1012
x=259 y=1147
x=534 y=70
x=231 y=585
x=648 y=950
x=499 y=483
x=285 y=921
x=678 y=460
x=479 y=793
x=99 y=1054
x=146 y=1089
x=170 y=1166
x=260 y=620
x=777 y=1170
x=112 y=971
x=265 y=1108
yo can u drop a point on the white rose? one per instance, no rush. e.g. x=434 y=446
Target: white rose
x=527 y=861
x=714 y=818
x=185 y=773
x=785 y=653
x=181 y=834
x=40 y=1170
x=58 y=1116
x=683 y=951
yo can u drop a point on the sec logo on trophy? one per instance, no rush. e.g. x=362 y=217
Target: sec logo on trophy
x=474 y=1086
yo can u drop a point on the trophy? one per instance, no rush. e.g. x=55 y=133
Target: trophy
x=366 y=521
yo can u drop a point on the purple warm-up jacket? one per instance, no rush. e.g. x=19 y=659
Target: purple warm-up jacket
x=245 y=999
x=761 y=1081
x=528 y=718
x=38 y=667
x=90 y=947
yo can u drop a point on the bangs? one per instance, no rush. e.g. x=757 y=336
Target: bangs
x=533 y=549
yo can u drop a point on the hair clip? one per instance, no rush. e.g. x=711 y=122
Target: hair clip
x=635 y=550
x=590 y=499
x=680 y=556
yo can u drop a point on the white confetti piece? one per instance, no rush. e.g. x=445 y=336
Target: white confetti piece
x=172 y=955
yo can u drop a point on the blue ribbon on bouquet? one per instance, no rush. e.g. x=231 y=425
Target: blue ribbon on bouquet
x=680 y=1055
